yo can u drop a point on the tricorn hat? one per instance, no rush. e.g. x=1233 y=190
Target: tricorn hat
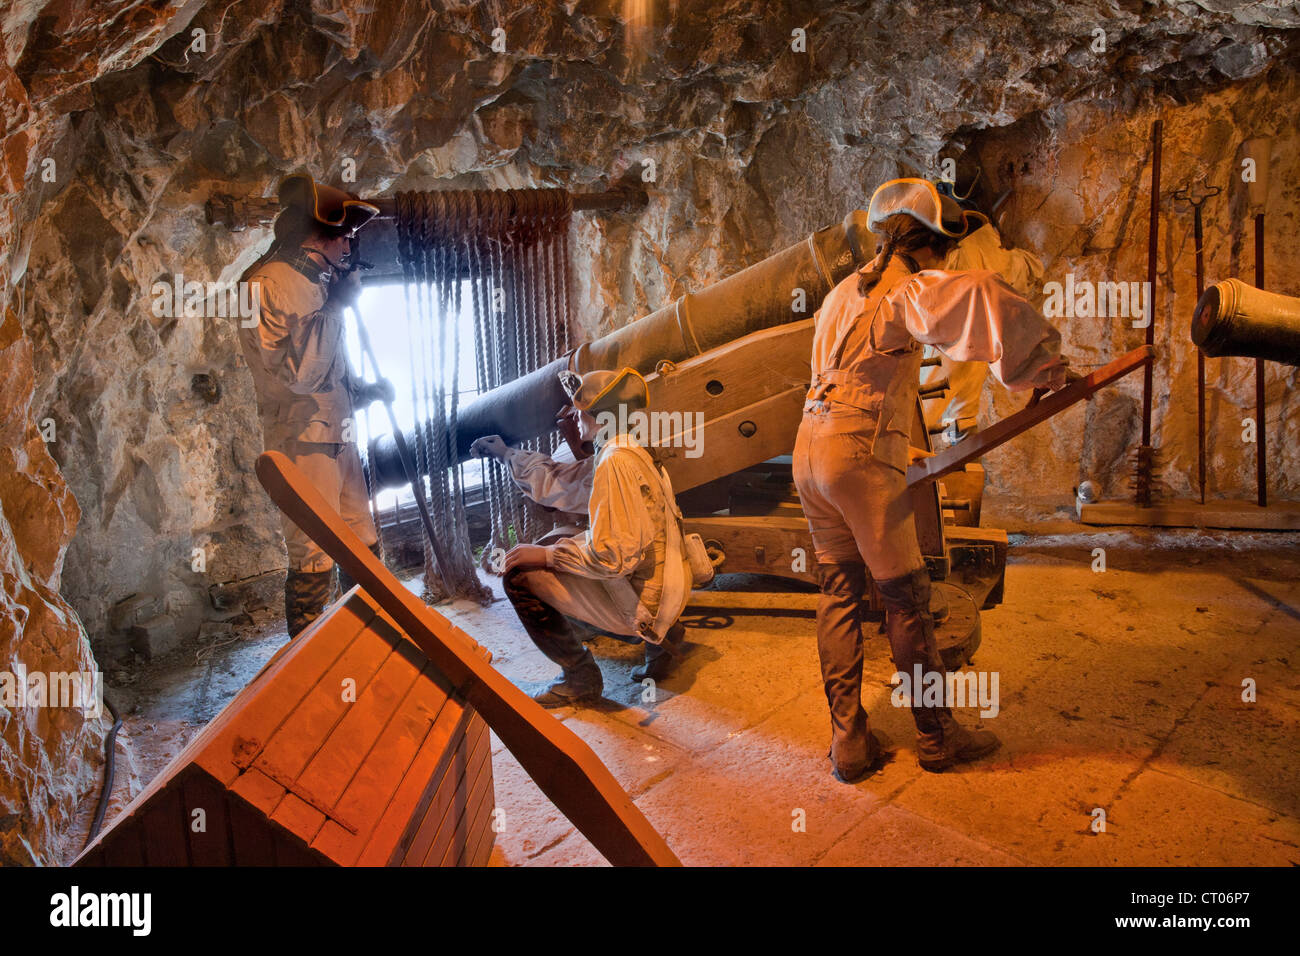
x=325 y=204
x=919 y=199
x=604 y=391
x=974 y=218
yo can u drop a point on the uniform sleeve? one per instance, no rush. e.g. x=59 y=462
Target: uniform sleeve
x=563 y=485
x=983 y=249
x=270 y=335
x=300 y=350
x=976 y=317
x=621 y=528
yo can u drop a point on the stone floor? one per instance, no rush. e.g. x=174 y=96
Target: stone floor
x=1120 y=691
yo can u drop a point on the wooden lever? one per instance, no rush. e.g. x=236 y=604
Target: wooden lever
x=562 y=765
x=955 y=457
x=932 y=389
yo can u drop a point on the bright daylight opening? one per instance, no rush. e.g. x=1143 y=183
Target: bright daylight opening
x=383 y=309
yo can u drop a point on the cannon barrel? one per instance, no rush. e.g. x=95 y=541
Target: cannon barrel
x=1235 y=319
x=763 y=295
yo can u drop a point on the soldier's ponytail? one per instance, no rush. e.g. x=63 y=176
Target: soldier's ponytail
x=901 y=234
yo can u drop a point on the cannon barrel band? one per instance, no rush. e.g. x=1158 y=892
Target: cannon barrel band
x=1236 y=319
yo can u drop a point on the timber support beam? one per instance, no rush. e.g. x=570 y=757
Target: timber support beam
x=955 y=458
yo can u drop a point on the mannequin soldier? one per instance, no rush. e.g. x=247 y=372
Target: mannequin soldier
x=306 y=391
x=981 y=248
x=628 y=575
x=852 y=450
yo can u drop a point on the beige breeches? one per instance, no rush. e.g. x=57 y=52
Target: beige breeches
x=858 y=507
x=334 y=469
x=609 y=605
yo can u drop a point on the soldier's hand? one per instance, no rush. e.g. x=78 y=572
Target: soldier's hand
x=489 y=446
x=1071 y=376
x=346 y=288
x=380 y=391
x=526 y=556
x=916 y=455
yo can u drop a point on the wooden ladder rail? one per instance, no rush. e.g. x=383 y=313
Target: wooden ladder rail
x=955 y=457
x=563 y=766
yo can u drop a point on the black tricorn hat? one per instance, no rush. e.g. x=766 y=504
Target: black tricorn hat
x=325 y=204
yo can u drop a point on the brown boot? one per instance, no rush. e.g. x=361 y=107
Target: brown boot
x=554 y=636
x=839 y=648
x=306 y=593
x=853 y=772
x=954 y=745
x=941 y=741
x=662 y=659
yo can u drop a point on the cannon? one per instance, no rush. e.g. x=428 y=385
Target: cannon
x=758 y=297
x=1236 y=319
x=730 y=365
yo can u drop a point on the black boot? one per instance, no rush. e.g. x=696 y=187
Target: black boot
x=551 y=632
x=661 y=659
x=839 y=647
x=306 y=593
x=346 y=581
x=941 y=741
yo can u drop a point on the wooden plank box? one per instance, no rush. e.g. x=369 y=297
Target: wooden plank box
x=348 y=749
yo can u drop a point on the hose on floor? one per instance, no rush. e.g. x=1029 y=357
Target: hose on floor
x=110 y=754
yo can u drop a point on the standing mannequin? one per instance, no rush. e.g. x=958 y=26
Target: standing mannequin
x=980 y=248
x=852 y=450
x=306 y=391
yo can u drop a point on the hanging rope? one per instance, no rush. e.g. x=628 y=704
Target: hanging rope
x=511 y=247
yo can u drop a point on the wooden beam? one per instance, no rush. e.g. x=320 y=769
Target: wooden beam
x=563 y=766
x=982 y=442
x=239 y=214
x=1277 y=516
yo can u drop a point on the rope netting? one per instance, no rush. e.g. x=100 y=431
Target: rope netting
x=498 y=261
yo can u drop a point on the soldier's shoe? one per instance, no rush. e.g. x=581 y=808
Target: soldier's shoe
x=662 y=659
x=861 y=766
x=583 y=685
x=956 y=745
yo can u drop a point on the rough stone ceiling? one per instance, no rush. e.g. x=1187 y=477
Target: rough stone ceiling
x=407 y=76
x=413 y=92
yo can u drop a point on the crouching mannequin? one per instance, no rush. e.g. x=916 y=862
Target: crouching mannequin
x=627 y=576
x=306 y=391
x=852 y=450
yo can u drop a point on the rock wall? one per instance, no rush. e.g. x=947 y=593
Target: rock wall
x=1081 y=175
x=762 y=121
x=49 y=756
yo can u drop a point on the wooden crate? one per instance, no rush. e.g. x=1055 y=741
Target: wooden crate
x=348 y=749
